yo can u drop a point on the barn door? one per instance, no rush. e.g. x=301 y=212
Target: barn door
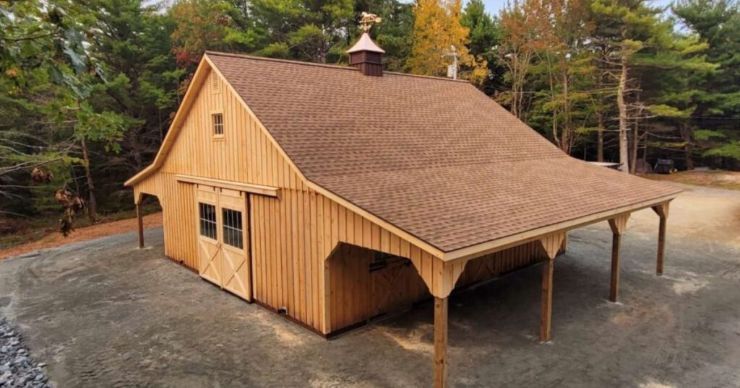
x=234 y=223
x=388 y=275
x=223 y=243
x=209 y=244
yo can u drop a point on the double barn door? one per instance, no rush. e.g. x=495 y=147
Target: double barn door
x=223 y=239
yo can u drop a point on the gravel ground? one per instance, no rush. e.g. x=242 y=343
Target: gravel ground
x=17 y=369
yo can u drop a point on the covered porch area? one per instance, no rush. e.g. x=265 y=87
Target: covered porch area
x=447 y=270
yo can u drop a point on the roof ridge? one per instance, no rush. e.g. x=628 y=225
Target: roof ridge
x=327 y=65
x=433 y=77
x=280 y=60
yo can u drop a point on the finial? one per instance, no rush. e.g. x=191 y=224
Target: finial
x=367 y=20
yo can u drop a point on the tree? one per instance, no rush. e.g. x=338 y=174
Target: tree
x=567 y=65
x=437 y=29
x=133 y=47
x=200 y=25
x=299 y=29
x=522 y=25
x=485 y=36
x=625 y=27
x=47 y=43
x=716 y=94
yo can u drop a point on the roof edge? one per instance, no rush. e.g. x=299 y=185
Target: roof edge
x=502 y=243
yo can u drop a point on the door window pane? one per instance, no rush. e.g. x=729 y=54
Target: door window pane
x=233 y=233
x=207 y=220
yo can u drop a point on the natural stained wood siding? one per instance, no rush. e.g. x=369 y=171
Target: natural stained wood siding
x=244 y=153
x=492 y=265
x=357 y=294
x=292 y=234
x=295 y=234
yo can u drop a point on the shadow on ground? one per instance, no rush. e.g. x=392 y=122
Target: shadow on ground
x=101 y=313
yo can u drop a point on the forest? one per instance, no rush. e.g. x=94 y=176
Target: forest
x=88 y=87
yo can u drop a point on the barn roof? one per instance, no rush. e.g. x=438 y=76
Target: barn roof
x=434 y=157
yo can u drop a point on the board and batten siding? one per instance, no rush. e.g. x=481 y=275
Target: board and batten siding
x=358 y=294
x=292 y=235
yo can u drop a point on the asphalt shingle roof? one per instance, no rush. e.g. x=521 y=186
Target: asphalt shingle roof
x=434 y=157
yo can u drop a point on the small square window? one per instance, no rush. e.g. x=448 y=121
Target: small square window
x=207 y=220
x=218 y=124
x=233 y=232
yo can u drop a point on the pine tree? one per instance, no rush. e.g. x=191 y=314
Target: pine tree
x=485 y=36
x=624 y=27
x=716 y=94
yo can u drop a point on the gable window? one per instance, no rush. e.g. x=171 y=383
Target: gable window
x=207 y=220
x=233 y=232
x=218 y=124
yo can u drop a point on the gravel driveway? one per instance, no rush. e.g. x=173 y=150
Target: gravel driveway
x=101 y=313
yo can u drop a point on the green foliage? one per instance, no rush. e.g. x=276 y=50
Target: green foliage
x=485 y=36
x=708 y=134
x=727 y=150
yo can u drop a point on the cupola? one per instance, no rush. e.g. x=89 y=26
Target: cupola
x=365 y=54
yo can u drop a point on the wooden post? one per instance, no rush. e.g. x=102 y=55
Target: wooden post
x=614 y=284
x=551 y=244
x=440 y=342
x=546 y=313
x=140 y=219
x=617 y=225
x=662 y=212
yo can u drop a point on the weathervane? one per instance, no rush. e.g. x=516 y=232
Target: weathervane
x=367 y=20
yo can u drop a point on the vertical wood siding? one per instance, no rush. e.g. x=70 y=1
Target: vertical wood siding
x=357 y=294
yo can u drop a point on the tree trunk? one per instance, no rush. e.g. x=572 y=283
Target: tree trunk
x=600 y=137
x=688 y=147
x=635 y=146
x=92 y=206
x=623 y=141
x=567 y=123
x=600 y=126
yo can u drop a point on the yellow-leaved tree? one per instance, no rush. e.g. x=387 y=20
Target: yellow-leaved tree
x=437 y=28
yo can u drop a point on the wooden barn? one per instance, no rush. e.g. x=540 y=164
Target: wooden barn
x=335 y=194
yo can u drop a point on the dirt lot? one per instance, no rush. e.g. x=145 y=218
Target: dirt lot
x=55 y=239
x=102 y=313
x=720 y=179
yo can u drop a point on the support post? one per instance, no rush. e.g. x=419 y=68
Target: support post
x=140 y=221
x=617 y=225
x=662 y=212
x=614 y=284
x=440 y=342
x=551 y=244
x=546 y=312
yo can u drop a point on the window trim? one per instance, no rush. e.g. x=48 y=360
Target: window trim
x=215 y=125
